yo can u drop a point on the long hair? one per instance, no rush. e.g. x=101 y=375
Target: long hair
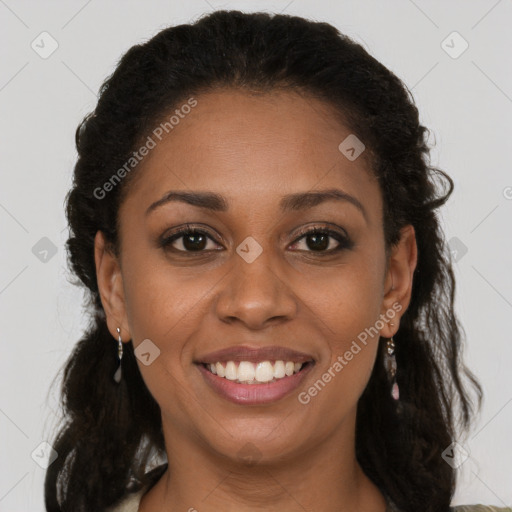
x=110 y=431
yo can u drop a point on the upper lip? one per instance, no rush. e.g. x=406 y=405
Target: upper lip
x=254 y=355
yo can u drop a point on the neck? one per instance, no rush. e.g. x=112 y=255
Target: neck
x=326 y=476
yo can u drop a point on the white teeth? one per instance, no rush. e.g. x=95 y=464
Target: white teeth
x=246 y=371
x=264 y=372
x=221 y=372
x=231 y=372
x=249 y=373
x=279 y=372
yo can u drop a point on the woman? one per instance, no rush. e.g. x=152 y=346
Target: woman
x=254 y=216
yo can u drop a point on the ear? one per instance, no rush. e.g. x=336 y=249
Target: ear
x=399 y=279
x=110 y=285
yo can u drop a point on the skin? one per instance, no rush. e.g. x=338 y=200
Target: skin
x=253 y=149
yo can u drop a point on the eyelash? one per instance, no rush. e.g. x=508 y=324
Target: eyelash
x=343 y=240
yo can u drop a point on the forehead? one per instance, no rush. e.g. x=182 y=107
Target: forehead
x=252 y=148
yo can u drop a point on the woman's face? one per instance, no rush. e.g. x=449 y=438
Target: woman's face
x=251 y=277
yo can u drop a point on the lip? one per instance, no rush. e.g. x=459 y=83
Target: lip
x=254 y=394
x=254 y=355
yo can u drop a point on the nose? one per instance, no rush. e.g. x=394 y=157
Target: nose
x=255 y=294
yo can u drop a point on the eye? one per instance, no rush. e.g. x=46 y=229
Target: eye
x=318 y=239
x=189 y=240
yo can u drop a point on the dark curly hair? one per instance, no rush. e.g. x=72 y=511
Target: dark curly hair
x=111 y=431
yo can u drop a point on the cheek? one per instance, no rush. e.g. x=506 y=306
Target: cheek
x=158 y=298
x=348 y=307
x=348 y=300
x=163 y=308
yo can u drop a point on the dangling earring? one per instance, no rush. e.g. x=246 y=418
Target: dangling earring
x=117 y=375
x=391 y=367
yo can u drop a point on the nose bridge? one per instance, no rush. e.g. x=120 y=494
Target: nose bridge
x=253 y=292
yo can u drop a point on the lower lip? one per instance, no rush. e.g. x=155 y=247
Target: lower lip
x=254 y=394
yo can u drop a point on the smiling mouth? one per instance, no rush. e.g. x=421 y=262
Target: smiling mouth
x=263 y=372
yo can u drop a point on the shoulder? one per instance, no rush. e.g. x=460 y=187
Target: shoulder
x=129 y=503
x=480 y=508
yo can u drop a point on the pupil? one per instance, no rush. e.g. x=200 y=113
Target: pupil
x=323 y=244
x=195 y=238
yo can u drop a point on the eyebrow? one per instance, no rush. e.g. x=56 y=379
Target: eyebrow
x=292 y=202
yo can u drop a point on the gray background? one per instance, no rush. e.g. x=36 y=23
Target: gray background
x=465 y=101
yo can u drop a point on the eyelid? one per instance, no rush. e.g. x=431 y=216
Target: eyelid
x=323 y=227
x=187 y=228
